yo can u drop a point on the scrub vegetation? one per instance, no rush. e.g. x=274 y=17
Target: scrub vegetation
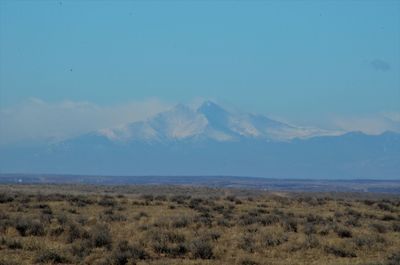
x=161 y=225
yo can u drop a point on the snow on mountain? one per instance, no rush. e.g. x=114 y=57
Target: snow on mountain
x=209 y=121
x=177 y=142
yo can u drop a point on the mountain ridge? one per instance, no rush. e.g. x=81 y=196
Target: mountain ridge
x=210 y=140
x=209 y=121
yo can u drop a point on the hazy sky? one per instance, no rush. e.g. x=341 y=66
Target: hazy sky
x=300 y=60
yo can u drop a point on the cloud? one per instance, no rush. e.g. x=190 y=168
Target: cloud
x=380 y=65
x=370 y=124
x=35 y=119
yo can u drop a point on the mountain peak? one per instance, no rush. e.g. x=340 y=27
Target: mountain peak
x=209 y=103
x=210 y=108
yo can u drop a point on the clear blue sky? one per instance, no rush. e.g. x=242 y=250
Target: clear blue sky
x=288 y=57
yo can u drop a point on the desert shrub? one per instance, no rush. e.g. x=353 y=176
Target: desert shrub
x=247 y=219
x=138 y=203
x=51 y=256
x=224 y=222
x=290 y=225
x=73 y=211
x=315 y=219
x=28 y=227
x=121 y=208
x=388 y=217
x=23 y=199
x=353 y=221
x=370 y=216
x=110 y=216
x=22 y=226
x=14 y=244
x=385 y=206
x=80 y=201
x=33 y=244
x=180 y=199
x=162 y=222
x=4 y=216
x=396 y=227
x=160 y=198
x=180 y=221
x=5 y=198
x=100 y=236
x=368 y=202
x=228 y=214
x=5 y=222
x=219 y=208
x=230 y=198
x=310 y=242
x=262 y=205
x=204 y=219
x=393 y=259
x=195 y=203
x=7 y=261
x=45 y=209
x=147 y=197
x=368 y=241
x=257 y=212
x=81 y=248
x=380 y=228
x=340 y=251
x=75 y=231
x=178 y=250
x=167 y=236
x=50 y=197
x=338 y=214
x=248 y=261
x=57 y=231
x=324 y=230
x=107 y=201
x=312 y=201
x=309 y=228
x=201 y=249
x=82 y=220
x=269 y=219
x=247 y=243
x=271 y=239
x=238 y=201
x=45 y=218
x=125 y=252
x=352 y=212
x=168 y=242
x=343 y=232
x=160 y=246
x=213 y=235
x=140 y=214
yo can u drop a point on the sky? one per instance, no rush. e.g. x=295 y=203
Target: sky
x=334 y=64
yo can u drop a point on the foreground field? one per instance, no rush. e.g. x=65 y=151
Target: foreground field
x=56 y=224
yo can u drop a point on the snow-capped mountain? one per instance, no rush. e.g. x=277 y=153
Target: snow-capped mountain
x=209 y=121
x=210 y=140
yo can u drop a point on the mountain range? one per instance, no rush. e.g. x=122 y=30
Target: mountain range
x=210 y=140
x=209 y=121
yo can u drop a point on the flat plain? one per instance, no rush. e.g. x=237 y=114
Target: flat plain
x=168 y=224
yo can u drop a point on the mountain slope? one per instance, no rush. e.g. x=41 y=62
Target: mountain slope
x=209 y=121
x=348 y=156
x=210 y=140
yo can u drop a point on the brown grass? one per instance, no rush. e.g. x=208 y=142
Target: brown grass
x=187 y=225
